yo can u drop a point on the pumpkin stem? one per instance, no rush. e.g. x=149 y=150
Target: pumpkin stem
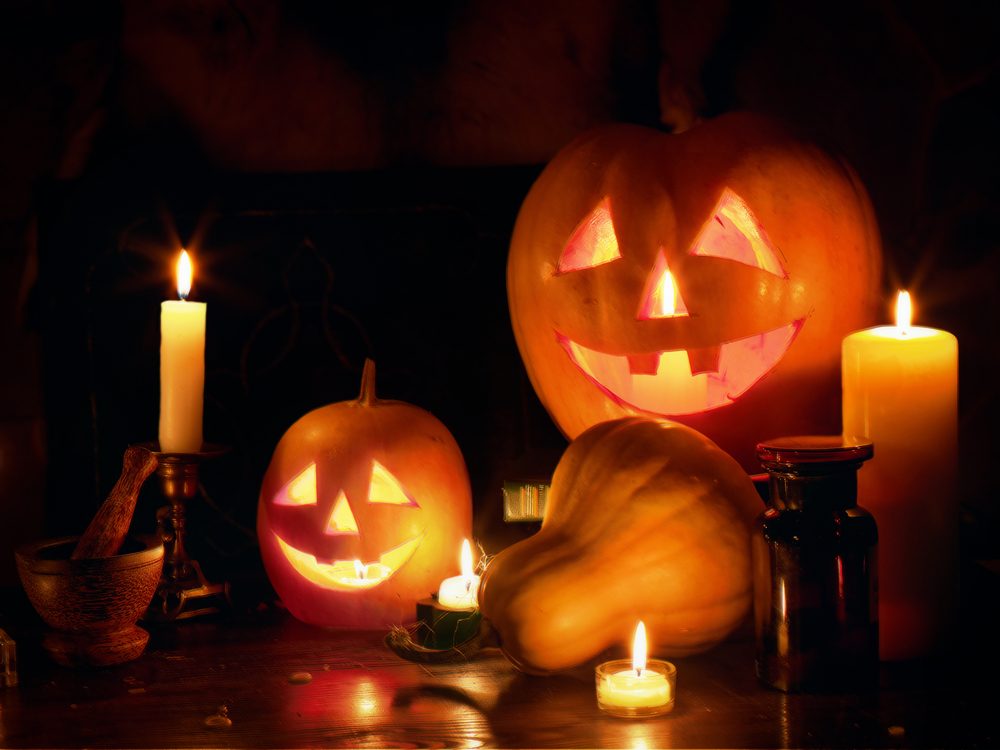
x=367 y=396
x=400 y=641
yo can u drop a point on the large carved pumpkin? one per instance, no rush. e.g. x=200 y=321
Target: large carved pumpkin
x=361 y=511
x=646 y=520
x=708 y=276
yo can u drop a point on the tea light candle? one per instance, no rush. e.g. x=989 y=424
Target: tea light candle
x=182 y=367
x=459 y=592
x=638 y=688
x=365 y=576
x=900 y=387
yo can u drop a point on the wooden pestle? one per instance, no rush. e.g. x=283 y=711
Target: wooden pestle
x=105 y=534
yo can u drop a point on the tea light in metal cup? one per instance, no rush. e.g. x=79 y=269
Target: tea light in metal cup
x=638 y=688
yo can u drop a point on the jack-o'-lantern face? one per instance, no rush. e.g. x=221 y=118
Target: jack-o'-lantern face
x=355 y=562
x=683 y=380
x=361 y=511
x=707 y=277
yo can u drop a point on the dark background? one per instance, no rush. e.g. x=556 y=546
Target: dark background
x=348 y=179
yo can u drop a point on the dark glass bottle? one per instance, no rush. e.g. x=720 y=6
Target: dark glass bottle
x=815 y=568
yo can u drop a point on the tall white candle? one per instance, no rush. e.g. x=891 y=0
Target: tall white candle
x=900 y=387
x=182 y=367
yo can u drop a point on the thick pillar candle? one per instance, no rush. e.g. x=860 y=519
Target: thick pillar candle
x=182 y=367
x=900 y=387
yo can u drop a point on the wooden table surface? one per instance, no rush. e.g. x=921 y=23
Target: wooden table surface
x=362 y=695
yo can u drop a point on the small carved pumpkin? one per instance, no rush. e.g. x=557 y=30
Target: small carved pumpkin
x=646 y=520
x=361 y=511
x=708 y=276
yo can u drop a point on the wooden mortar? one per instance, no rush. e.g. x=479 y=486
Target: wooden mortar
x=91 y=604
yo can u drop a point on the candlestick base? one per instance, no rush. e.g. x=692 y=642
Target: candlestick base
x=186 y=598
x=184 y=591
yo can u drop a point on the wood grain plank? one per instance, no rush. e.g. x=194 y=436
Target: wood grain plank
x=362 y=695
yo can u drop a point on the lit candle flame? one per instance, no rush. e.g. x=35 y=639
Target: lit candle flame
x=639 y=649
x=665 y=296
x=184 y=275
x=904 y=311
x=467 y=562
x=360 y=570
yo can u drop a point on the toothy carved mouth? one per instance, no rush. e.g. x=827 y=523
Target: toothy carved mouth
x=670 y=388
x=342 y=574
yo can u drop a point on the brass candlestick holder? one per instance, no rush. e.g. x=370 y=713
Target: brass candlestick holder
x=184 y=591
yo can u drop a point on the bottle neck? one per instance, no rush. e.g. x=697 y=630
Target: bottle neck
x=836 y=490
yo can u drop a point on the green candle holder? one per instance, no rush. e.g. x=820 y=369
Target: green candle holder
x=443 y=628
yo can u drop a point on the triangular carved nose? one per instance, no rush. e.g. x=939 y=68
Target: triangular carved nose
x=661 y=297
x=341 y=520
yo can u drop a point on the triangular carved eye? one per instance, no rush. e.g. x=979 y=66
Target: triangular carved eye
x=301 y=490
x=733 y=232
x=592 y=243
x=385 y=488
x=661 y=298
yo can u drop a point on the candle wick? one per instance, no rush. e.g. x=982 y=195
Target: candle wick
x=638 y=671
x=468 y=585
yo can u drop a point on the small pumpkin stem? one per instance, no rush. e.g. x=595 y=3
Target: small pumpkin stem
x=400 y=641
x=367 y=396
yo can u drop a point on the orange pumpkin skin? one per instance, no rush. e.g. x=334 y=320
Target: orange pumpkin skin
x=416 y=457
x=646 y=520
x=663 y=194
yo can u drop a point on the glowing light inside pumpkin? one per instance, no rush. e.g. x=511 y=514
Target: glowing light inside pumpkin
x=734 y=233
x=670 y=388
x=341 y=520
x=593 y=242
x=661 y=298
x=301 y=490
x=904 y=312
x=184 y=275
x=669 y=382
x=344 y=574
x=385 y=488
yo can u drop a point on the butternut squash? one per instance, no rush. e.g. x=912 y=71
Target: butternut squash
x=648 y=520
